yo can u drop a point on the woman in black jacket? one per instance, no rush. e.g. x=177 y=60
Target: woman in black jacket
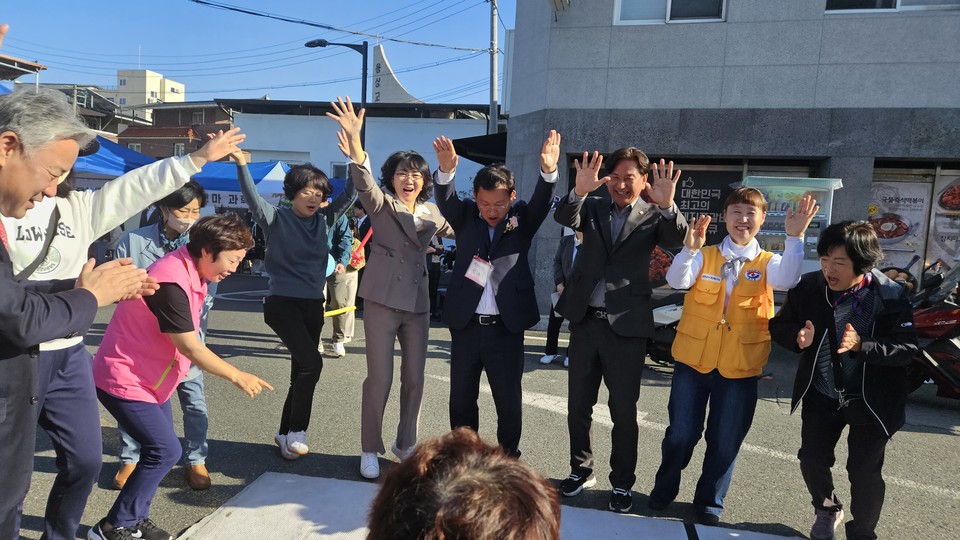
x=853 y=328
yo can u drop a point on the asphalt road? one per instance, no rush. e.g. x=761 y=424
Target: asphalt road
x=767 y=494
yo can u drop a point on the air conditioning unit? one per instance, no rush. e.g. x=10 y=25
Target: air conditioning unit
x=559 y=5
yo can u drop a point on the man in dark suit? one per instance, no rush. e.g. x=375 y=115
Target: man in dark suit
x=40 y=138
x=562 y=269
x=607 y=301
x=490 y=300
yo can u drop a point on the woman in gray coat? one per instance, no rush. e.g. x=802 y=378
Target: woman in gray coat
x=395 y=284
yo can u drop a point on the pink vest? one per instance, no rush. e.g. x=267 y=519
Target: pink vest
x=135 y=360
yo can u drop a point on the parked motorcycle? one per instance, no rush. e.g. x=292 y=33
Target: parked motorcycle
x=936 y=317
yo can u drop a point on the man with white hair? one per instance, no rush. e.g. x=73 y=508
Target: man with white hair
x=40 y=138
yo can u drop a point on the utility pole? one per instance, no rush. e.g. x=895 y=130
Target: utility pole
x=494 y=108
x=74 y=99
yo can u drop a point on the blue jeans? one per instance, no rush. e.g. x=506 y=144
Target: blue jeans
x=732 y=404
x=195 y=422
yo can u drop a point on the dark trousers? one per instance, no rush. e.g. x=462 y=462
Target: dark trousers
x=68 y=412
x=823 y=424
x=553 y=334
x=732 y=404
x=598 y=354
x=499 y=352
x=18 y=404
x=151 y=425
x=297 y=322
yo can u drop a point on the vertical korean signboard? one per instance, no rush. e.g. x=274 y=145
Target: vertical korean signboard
x=942 y=244
x=898 y=212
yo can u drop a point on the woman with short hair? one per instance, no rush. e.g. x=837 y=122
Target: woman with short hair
x=147 y=349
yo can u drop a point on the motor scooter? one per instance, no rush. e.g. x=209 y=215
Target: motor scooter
x=936 y=318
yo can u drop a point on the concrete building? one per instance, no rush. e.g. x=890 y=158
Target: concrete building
x=735 y=87
x=137 y=87
x=178 y=128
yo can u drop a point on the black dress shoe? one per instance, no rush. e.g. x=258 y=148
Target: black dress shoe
x=706 y=518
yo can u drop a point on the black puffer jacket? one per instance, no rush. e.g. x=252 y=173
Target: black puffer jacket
x=886 y=352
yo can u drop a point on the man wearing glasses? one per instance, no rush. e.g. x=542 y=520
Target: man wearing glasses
x=490 y=300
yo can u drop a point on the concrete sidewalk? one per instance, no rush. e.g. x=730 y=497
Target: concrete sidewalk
x=279 y=505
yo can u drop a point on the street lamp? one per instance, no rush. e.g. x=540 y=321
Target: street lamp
x=361 y=48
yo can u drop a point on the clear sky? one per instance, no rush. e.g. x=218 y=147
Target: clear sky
x=219 y=53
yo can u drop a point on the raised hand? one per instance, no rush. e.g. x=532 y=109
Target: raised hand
x=849 y=341
x=220 y=145
x=797 y=221
x=351 y=123
x=112 y=281
x=250 y=383
x=697 y=233
x=805 y=336
x=664 y=185
x=3 y=31
x=550 y=153
x=446 y=154
x=587 y=180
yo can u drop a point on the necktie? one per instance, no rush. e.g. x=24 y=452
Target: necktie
x=731 y=268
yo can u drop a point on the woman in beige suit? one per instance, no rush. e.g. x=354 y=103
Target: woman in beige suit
x=395 y=284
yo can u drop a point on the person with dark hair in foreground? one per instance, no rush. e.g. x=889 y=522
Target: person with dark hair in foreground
x=853 y=328
x=458 y=487
x=147 y=349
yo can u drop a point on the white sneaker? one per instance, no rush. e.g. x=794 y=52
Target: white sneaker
x=297 y=442
x=548 y=359
x=347 y=339
x=566 y=361
x=338 y=348
x=285 y=453
x=401 y=454
x=369 y=465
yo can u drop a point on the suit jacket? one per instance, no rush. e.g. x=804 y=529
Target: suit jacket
x=396 y=271
x=512 y=281
x=28 y=317
x=563 y=260
x=624 y=262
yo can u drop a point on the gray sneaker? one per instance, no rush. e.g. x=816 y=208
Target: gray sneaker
x=826 y=524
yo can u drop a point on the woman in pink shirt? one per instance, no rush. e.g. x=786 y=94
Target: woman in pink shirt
x=147 y=349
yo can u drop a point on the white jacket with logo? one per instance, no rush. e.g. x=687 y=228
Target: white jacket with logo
x=86 y=216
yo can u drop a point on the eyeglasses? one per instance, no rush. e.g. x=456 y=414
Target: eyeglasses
x=410 y=175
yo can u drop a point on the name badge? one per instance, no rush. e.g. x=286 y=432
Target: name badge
x=479 y=271
x=711 y=277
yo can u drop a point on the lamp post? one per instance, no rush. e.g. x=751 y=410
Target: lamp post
x=361 y=48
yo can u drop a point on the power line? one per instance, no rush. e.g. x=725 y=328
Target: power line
x=267 y=15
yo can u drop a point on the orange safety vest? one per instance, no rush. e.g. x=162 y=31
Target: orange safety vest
x=737 y=343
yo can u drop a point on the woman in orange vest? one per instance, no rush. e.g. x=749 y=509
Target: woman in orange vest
x=723 y=342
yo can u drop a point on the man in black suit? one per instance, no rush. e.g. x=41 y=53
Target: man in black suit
x=607 y=301
x=490 y=300
x=562 y=269
x=40 y=138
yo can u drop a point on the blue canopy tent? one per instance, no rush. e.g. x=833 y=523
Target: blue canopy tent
x=110 y=161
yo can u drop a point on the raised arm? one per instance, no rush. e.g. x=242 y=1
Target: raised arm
x=348 y=140
x=453 y=209
x=587 y=181
x=125 y=196
x=539 y=204
x=263 y=212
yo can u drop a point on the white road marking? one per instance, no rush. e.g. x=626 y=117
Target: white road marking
x=601 y=415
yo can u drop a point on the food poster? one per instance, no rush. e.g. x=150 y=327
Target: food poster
x=898 y=212
x=942 y=244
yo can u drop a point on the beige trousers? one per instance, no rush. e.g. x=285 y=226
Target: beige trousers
x=342 y=291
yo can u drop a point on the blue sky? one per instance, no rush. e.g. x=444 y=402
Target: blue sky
x=225 y=54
